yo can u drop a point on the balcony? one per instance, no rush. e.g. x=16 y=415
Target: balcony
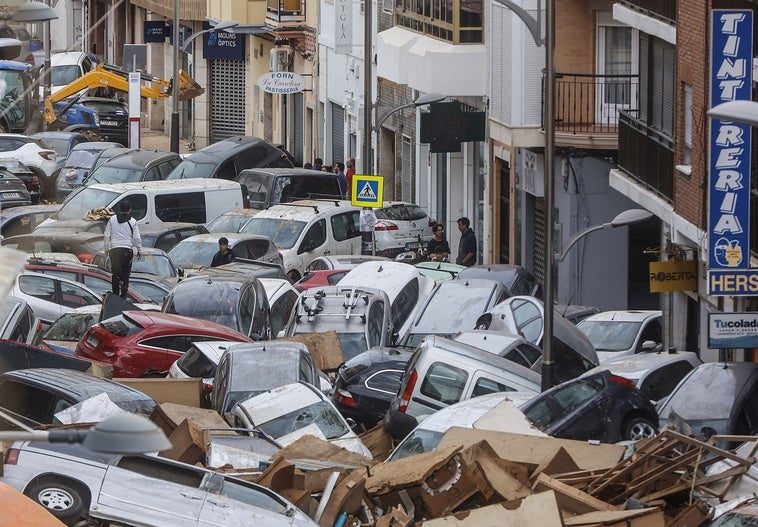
x=587 y=108
x=664 y=10
x=646 y=154
x=285 y=11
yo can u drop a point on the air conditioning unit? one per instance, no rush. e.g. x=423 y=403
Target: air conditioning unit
x=280 y=59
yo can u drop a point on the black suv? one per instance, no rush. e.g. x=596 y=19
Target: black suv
x=134 y=166
x=269 y=186
x=113 y=116
x=227 y=158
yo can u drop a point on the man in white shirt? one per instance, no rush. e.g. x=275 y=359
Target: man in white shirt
x=121 y=237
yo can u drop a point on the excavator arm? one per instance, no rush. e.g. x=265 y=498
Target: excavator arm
x=106 y=76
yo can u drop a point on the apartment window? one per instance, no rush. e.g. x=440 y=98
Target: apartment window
x=387 y=6
x=455 y=21
x=657 y=82
x=687 y=158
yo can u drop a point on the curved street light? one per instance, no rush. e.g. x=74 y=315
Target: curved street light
x=624 y=218
x=224 y=25
x=119 y=434
x=738 y=111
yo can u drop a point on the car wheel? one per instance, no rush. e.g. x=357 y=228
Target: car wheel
x=46 y=185
x=293 y=275
x=638 y=428
x=61 y=498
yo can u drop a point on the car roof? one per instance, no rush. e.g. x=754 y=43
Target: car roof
x=67 y=57
x=165 y=226
x=28 y=209
x=170 y=322
x=233 y=237
x=96 y=146
x=140 y=158
x=200 y=183
x=277 y=171
x=306 y=209
x=623 y=316
x=77 y=384
x=635 y=366
x=390 y=276
x=84 y=100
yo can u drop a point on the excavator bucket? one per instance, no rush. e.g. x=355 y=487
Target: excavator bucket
x=188 y=88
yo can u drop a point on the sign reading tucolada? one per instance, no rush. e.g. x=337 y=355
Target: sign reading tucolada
x=281 y=82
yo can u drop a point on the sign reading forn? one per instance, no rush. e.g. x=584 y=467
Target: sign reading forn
x=281 y=82
x=367 y=191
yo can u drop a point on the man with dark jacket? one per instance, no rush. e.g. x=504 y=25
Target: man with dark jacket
x=224 y=255
x=121 y=236
x=467 y=246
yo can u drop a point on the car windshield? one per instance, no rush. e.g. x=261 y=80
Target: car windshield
x=221 y=307
x=79 y=203
x=62 y=75
x=104 y=106
x=322 y=414
x=81 y=158
x=59 y=145
x=227 y=223
x=157 y=264
x=194 y=363
x=112 y=174
x=149 y=291
x=418 y=442
x=189 y=168
x=188 y=253
x=283 y=233
x=352 y=344
x=70 y=327
x=610 y=335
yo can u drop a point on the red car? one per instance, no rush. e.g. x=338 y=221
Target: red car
x=320 y=279
x=146 y=343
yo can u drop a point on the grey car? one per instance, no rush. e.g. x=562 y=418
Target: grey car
x=133 y=166
x=197 y=251
x=77 y=166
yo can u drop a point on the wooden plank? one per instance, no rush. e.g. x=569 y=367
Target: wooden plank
x=569 y=498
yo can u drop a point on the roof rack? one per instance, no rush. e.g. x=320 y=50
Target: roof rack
x=311 y=306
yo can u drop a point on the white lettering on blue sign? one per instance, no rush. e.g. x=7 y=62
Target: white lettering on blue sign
x=729 y=188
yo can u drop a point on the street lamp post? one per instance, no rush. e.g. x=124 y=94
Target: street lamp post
x=224 y=25
x=624 y=218
x=119 y=434
x=39 y=12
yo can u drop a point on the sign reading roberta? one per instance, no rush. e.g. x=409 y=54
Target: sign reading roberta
x=367 y=191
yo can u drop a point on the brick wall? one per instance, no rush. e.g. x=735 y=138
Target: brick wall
x=574 y=37
x=692 y=68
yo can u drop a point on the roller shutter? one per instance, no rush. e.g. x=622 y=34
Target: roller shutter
x=227 y=99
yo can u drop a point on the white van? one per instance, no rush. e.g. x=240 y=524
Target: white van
x=187 y=200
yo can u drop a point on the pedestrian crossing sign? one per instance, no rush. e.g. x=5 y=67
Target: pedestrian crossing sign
x=367 y=191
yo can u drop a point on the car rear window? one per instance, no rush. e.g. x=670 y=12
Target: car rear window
x=444 y=383
x=120 y=326
x=401 y=213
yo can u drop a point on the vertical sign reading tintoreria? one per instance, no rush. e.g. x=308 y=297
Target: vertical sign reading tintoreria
x=343 y=26
x=729 y=182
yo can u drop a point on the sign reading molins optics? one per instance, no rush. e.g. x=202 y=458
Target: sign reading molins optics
x=221 y=45
x=729 y=182
x=281 y=82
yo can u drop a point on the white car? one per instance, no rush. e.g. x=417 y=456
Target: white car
x=397 y=224
x=36 y=155
x=342 y=261
x=51 y=296
x=655 y=374
x=304 y=230
x=200 y=360
x=66 y=67
x=74 y=483
x=467 y=414
x=293 y=410
x=282 y=297
x=406 y=288
x=621 y=333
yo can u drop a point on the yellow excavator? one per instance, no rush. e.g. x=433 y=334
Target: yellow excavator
x=116 y=78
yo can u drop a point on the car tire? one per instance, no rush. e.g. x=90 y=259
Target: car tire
x=46 y=184
x=638 y=428
x=63 y=499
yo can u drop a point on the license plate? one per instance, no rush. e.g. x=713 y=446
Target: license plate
x=411 y=246
x=108 y=123
x=11 y=195
x=93 y=341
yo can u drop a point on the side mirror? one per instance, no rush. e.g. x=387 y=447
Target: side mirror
x=180 y=272
x=351 y=423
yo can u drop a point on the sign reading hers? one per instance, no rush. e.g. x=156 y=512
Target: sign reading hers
x=281 y=82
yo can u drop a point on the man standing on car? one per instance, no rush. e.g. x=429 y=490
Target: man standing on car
x=121 y=237
x=224 y=255
x=467 y=246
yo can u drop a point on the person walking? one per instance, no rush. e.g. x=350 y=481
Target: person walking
x=224 y=255
x=467 y=246
x=339 y=169
x=121 y=237
x=437 y=248
x=350 y=163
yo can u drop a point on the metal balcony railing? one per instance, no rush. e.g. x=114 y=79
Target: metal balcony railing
x=646 y=154
x=590 y=104
x=661 y=9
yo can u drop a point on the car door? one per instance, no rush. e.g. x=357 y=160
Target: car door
x=312 y=244
x=149 y=491
x=71 y=295
x=237 y=502
x=580 y=409
x=166 y=349
x=346 y=232
x=40 y=293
